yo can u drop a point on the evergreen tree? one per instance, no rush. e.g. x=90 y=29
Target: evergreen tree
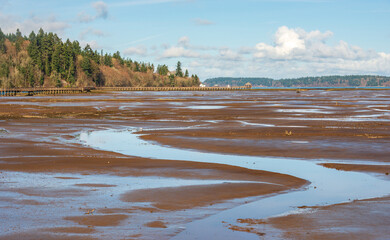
x=2 y=36
x=179 y=71
x=172 y=80
x=55 y=61
x=107 y=60
x=117 y=56
x=186 y=74
x=86 y=66
x=32 y=36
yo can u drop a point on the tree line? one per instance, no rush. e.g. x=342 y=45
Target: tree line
x=44 y=59
x=324 y=81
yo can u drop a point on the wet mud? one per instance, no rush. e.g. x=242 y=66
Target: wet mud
x=84 y=193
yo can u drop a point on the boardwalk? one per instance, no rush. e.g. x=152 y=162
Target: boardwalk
x=43 y=91
x=55 y=91
x=172 y=88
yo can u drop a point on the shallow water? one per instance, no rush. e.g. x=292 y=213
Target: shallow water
x=206 y=107
x=328 y=186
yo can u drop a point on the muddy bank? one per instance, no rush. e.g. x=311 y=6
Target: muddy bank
x=80 y=191
x=150 y=198
x=356 y=220
x=180 y=198
x=381 y=170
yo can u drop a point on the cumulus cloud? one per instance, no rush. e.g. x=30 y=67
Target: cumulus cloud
x=297 y=44
x=294 y=53
x=140 y=51
x=183 y=49
x=101 y=9
x=33 y=23
x=230 y=55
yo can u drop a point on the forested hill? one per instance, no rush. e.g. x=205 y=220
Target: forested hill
x=43 y=59
x=326 y=81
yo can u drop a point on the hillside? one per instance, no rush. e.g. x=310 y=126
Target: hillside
x=325 y=81
x=43 y=59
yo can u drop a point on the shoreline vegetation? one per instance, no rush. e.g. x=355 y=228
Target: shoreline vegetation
x=348 y=81
x=44 y=60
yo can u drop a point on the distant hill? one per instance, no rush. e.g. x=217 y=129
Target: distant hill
x=43 y=59
x=325 y=81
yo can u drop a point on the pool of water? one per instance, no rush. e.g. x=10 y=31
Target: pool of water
x=203 y=107
x=328 y=186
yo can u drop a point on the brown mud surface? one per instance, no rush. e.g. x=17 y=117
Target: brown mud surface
x=361 y=219
x=156 y=224
x=98 y=220
x=38 y=135
x=179 y=198
x=380 y=169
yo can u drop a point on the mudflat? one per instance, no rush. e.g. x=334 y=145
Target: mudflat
x=53 y=186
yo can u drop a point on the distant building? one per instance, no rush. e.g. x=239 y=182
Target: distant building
x=202 y=85
x=248 y=85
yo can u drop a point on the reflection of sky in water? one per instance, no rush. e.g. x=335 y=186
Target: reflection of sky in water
x=331 y=186
x=335 y=185
x=206 y=107
x=303 y=110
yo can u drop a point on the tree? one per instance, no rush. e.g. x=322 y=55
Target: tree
x=32 y=36
x=144 y=68
x=107 y=60
x=195 y=80
x=2 y=36
x=186 y=74
x=136 y=66
x=55 y=60
x=162 y=70
x=172 y=80
x=179 y=71
x=117 y=56
x=86 y=66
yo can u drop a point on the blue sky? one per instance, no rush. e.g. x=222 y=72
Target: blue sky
x=247 y=38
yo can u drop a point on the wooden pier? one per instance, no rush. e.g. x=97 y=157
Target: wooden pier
x=57 y=91
x=42 y=91
x=171 y=88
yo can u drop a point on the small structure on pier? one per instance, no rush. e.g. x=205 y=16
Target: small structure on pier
x=248 y=85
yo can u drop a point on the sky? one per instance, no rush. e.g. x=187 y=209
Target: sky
x=222 y=38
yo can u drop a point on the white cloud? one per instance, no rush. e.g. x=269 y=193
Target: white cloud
x=230 y=55
x=297 y=44
x=101 y=9
x=176 y=52
x=294 y=53
x=33 y=23
x=140 y=51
